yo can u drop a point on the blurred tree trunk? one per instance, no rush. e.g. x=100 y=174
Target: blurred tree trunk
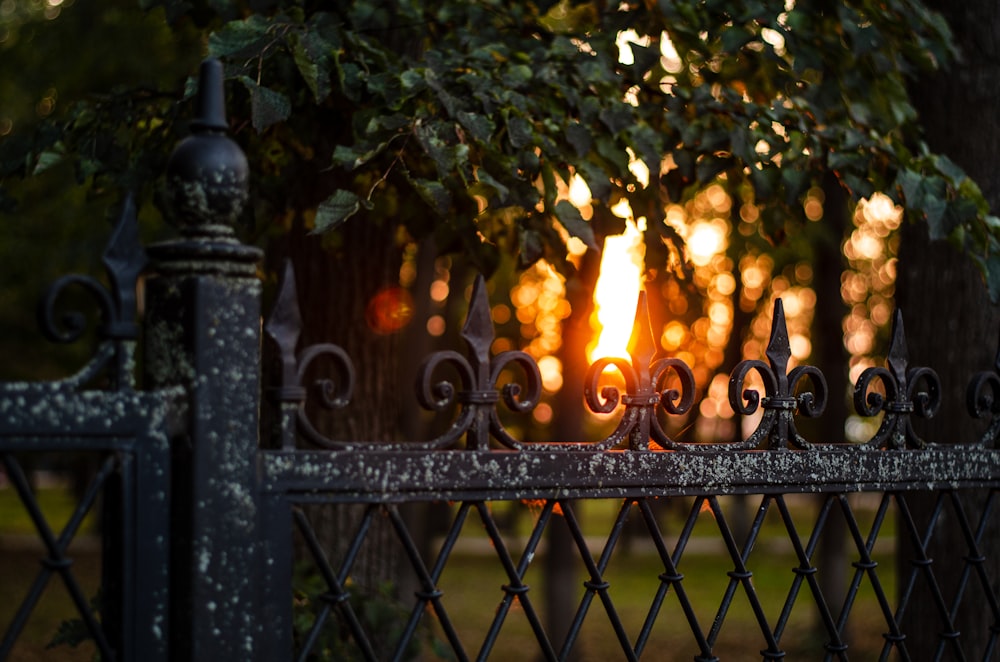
x=832 y=360
x=952 y=324
x=562 y=566
x=335 y=289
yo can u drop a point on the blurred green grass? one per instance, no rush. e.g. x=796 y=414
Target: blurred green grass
x=472 y=585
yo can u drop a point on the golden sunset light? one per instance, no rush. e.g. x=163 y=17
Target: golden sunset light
x=617 y=292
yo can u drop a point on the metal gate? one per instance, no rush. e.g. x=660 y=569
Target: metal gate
x=209 y=524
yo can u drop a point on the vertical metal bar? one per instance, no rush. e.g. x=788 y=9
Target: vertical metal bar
x=276 y=577
x=146 y=504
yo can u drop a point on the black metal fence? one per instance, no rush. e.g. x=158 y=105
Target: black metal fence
x=210 y=543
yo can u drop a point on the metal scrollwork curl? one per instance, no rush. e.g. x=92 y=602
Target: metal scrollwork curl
x=983 y=397
x=333 y=393
x=902 y=398
x=738 y=394
x=811 y=404
x=479 y=375
x=124 y=260
x=440 y=395
x=645 y=389
x=925 y=403
x=70 y=325
x=516 y=400
x=604 y=400
x=673 y=401
x=870 y=403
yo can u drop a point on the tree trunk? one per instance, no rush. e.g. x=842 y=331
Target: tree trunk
x=335 y=289
x=952 y=326
x=831 y=358
x=562 y=574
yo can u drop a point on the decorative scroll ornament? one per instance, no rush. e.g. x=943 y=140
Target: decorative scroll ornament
x=982 y=397
x=901 y=395
x=644 y=379
x=780 y=401
x=124 y=260
x=285 y=326
x=479 y=376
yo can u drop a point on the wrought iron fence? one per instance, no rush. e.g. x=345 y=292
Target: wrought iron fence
x=203 y=501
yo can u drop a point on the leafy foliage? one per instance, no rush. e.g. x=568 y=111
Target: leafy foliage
x=466 y=120
x=380 y=614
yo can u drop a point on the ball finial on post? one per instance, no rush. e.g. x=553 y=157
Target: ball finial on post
x=207 y=174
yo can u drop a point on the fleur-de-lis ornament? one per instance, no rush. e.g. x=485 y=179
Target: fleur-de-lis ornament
x=780 y=401
x=644 y=379
x=902 y=399
x=479 y=375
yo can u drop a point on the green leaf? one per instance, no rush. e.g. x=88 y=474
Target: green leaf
x=644 y=58
x=434 y=194
x=710 y=166
x=412 y=81
x=991 y=269
x=578 y=136
x=46 y=160
x=519 y=132
x=501 y=191
x=312 y=57
x=434 y=138
x=335 y=210
x=617 y=117
x=796 y=182
x=267 y=106
x=597 y=180
x=480 y=126
x=517 y=76
x=238 y=36
x=571 y=219
x=735 y=38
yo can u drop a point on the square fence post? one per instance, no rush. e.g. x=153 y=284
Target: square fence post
x=203 y=332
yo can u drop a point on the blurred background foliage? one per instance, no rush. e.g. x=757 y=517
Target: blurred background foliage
x=420 y=142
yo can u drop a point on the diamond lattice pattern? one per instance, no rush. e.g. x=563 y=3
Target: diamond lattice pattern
x=703 y=578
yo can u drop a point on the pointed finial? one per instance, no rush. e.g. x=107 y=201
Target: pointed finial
x=898 y=356
x=211 y=100
x=285 y=323
x=641 y=345
x=124 y=259
x=478 y=328
x=779 y=351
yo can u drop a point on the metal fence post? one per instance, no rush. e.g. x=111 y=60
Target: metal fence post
x=203 y=332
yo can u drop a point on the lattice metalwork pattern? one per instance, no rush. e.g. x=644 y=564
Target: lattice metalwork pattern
x=96 y=414
x=782 y=526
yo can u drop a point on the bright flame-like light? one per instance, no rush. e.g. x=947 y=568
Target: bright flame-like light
x=617 y=291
